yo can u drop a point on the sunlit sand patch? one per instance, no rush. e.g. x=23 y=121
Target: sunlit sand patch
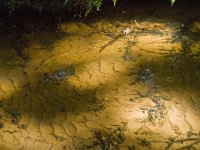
x=7 y=88
x=154 y=44
x=74 y=28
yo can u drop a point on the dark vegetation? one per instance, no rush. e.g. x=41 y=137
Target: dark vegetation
x=78 y=8
x=14 y=14
x=84 y=6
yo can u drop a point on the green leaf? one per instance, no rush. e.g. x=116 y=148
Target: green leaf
x=114 y=2
x=87 y=12
x=172 y=2
x=66 y=1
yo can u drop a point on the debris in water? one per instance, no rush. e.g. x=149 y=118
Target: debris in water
x=111 y=140
x=60 y=74
x=145 y=74
x=126 y=31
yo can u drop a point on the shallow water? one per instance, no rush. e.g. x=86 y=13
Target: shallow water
x=134 y=91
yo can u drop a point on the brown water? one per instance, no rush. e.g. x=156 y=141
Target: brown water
x=135 y=91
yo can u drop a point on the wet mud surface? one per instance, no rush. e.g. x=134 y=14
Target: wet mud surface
x=89 y=86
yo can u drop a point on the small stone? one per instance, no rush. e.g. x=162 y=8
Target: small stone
x=23 y=126
x=14 y=120
x=62 y=109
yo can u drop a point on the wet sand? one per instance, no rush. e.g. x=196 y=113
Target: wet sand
x=136 y=91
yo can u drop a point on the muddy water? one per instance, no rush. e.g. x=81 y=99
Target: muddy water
x=88 y=86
